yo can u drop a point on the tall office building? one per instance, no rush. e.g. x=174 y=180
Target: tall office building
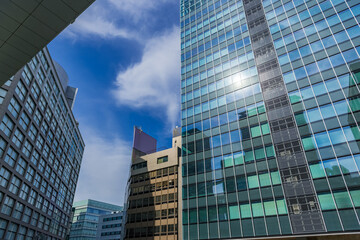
x=270 y=118
x=86 y=217
x=40 y=151
x=152 y=202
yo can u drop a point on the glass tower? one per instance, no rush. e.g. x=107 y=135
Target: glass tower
x=270 y=117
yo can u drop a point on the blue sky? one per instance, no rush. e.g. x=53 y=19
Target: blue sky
x=124 y=56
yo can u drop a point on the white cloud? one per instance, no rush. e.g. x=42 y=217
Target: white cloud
x=96 y=21
x=127 y=19
x=104 y=169
x=137 y=9
x=154 y=81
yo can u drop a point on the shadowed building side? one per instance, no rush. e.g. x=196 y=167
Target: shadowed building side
x=27 y=26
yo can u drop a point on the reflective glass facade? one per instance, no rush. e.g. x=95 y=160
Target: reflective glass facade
x=270 y=113
x=86 y=218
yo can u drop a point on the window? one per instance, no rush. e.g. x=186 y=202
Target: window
x=21 y=91
x=21 y=166
x=30 y=105
x=24 y=191
x=33 y=63
x=7 y=206
x=11 y=233
x=11 y=156
x=30 y=174
x=3 y=224
x=35 y=157
x=32 y=197
x=3 y=93
x=2 y=146
x=41 y=76
x=35 y=90
x=40 y=142
x=27 y=148
x=24 y=121
x=14 y=185
x=162 y=159
x=18 y=138
x=27 y=75
x=14 y=107
x=4 y=177
x=37 y=117
x=32 y=132
x=27 y=215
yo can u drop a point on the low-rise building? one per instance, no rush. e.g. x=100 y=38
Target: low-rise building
x=86 y=215
x=110 y=226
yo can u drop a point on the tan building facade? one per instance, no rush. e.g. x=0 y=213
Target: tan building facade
x=153 y=193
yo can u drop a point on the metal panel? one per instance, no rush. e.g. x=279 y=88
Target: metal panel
x=27 y=26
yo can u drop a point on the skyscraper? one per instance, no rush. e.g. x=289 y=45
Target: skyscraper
x=270 y=118
x=40 y=151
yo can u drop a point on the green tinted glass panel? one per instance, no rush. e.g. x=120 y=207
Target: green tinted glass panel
x=239 y=158
x=253 y=181
x=234 y=212
x=212 y=214
x=326 y=201
x=356 y=132
x=355 y=104
x=202 y=215
x=300 y=119
x=257 y=209
x=270 y=208
x=252 y=111
x=317 y=170
x=255 y=131
x=245 y=211
x=261 y=109
x=259 y=154
x=270 y=151
x=264 y=179
x=228 y=161
x=294 y=97
x=265 y=129
x=185 y=217
x=193 y=216
x=275 y=178
x=281 y=206
x=249 y=156
x=342 y=199
x=355 y=195
x=308 y=143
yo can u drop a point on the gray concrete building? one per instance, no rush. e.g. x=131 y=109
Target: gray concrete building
x=110 y=226
x=27 y=26
x=41 y=151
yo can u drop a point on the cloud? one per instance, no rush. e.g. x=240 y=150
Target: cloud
x=96 y=21
x=138 y=9
x=104 y=169
x=154 y=81
x=129 y=19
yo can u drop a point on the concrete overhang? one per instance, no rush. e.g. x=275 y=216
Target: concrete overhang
x=27 y=26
